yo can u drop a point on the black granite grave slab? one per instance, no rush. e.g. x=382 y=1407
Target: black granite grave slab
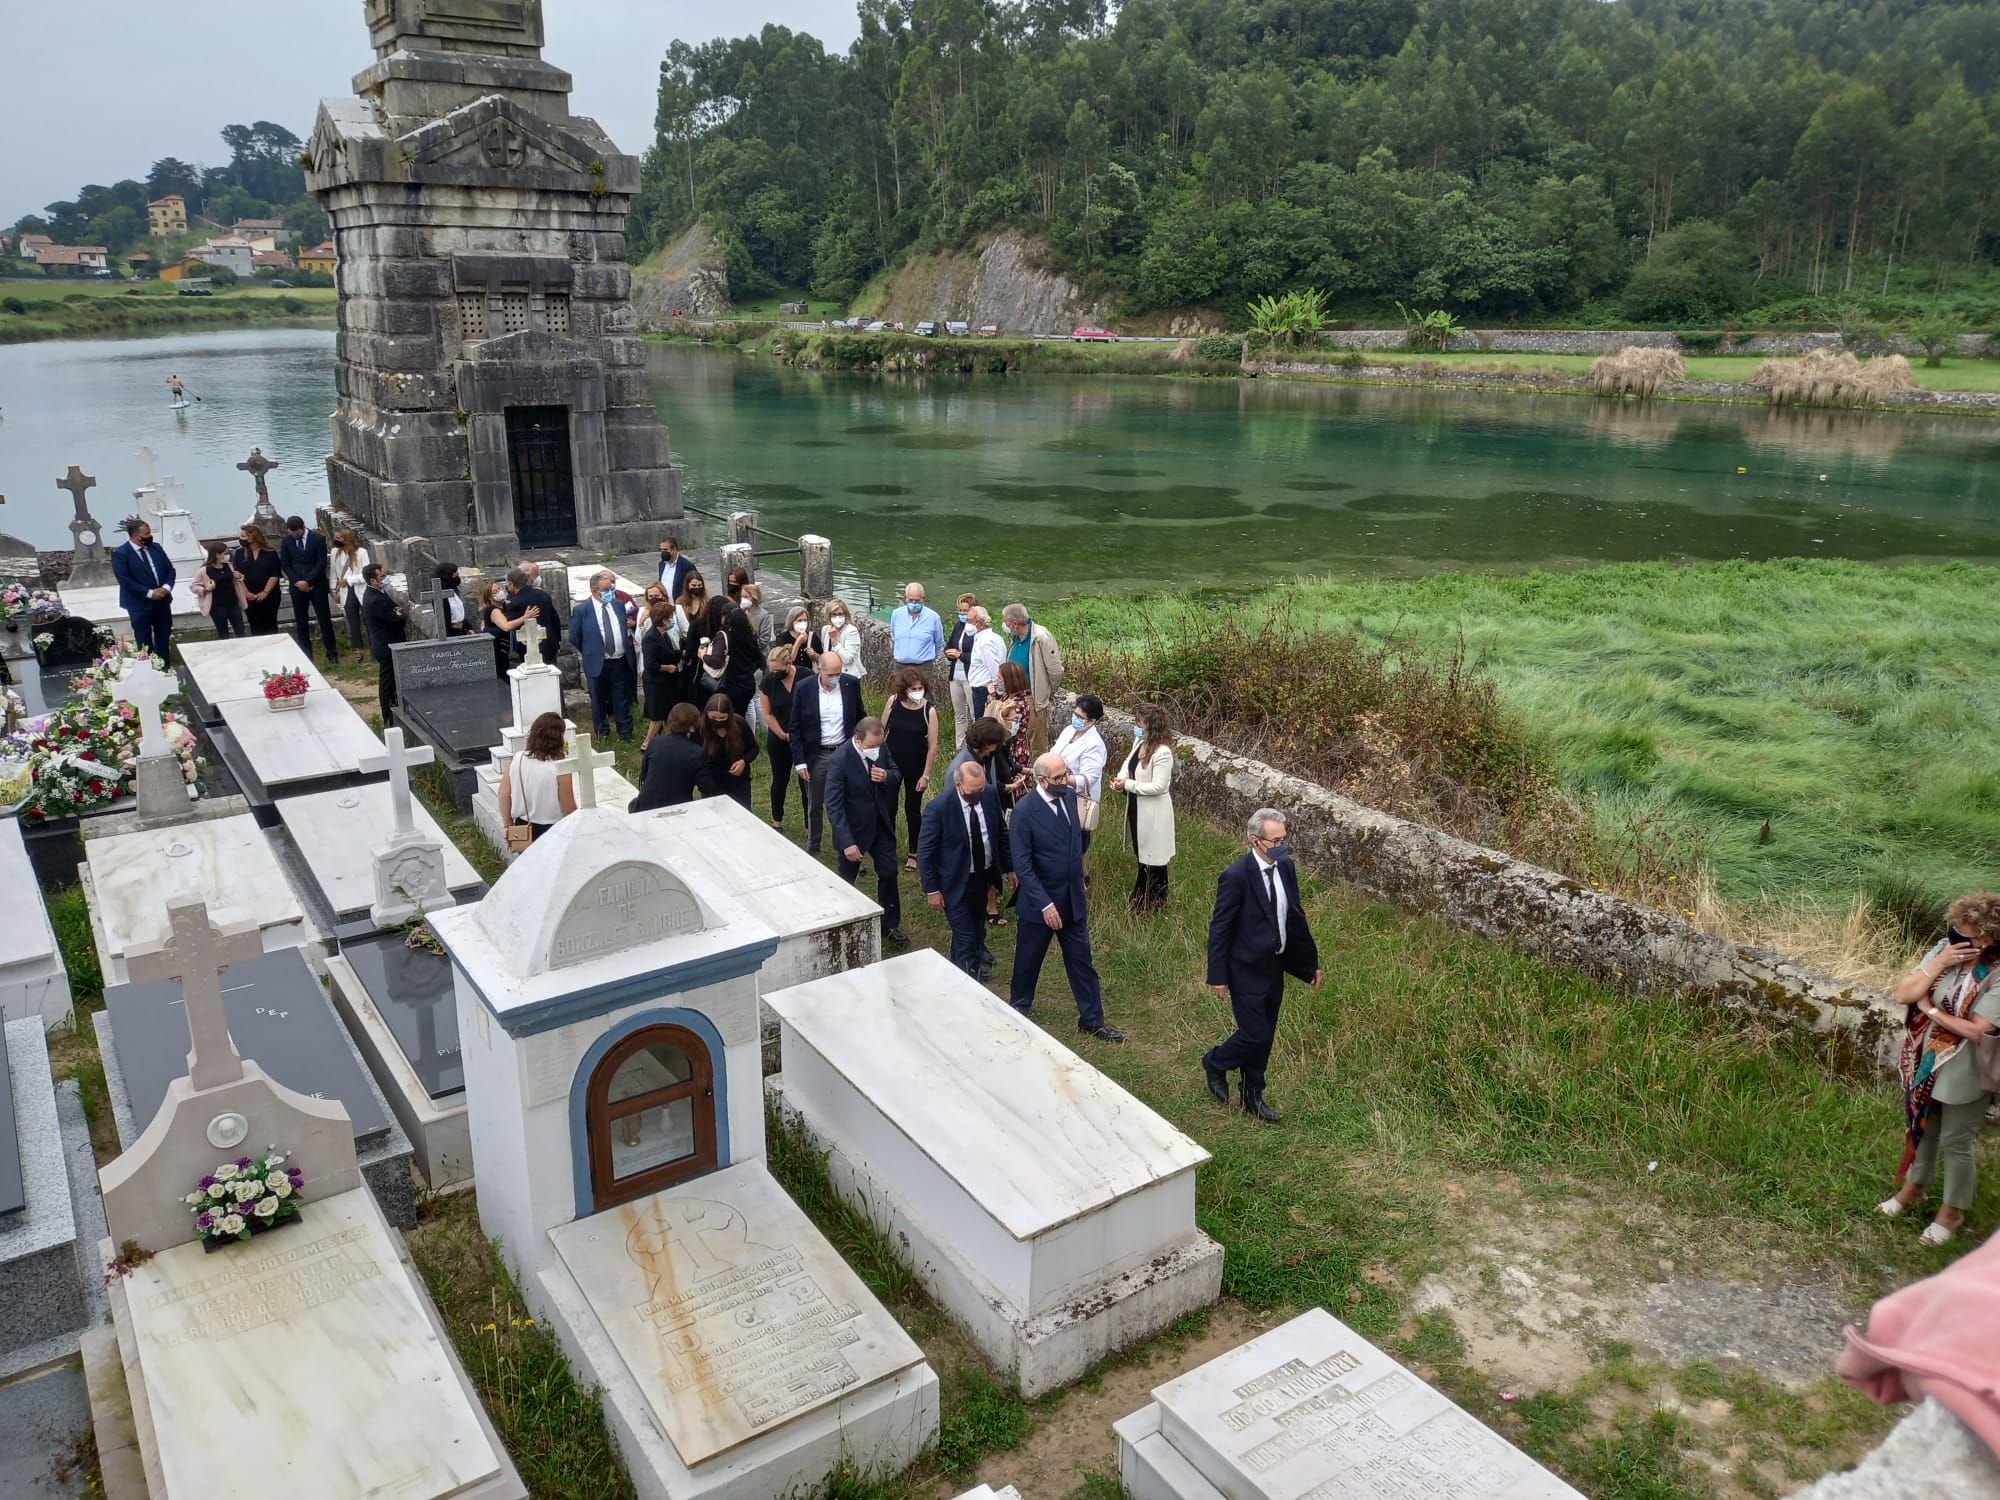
x=13 y=1193
x=412 y=989
x=462 y=722
x=279 y=1017
x=73 y=642
x=456 y=661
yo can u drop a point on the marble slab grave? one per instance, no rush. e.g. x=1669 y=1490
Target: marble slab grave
x=99 y=604
x=226 y=862
x=337 y=832
x=731 y=1312
x=13 y=1189
x=33 y=981
x=278 y=1015
x=293 y=749
x=228 y=671
x=332 y=1362
x=1312 y=1408
x=412 y=990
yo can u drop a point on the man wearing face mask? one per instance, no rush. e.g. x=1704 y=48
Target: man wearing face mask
x=963 y=845
x=1257 y=935
x=674 y=568
x=1054 y=907
x=916 y=635
x=957 y=655
x=602 y=635
x=861 y=805
x=825 y=711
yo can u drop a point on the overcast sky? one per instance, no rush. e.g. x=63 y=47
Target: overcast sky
x=100 y=91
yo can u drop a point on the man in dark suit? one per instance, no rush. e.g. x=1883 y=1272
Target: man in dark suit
x=674 y=568
x=602 y=636
x=525 y=594
x=1256 y=937
x=145 y=577
x=1053 y=906
x=861 y=806
x=303 y=555
x=674 y=766
x=825 y=710
x=961 y=845
x=387 y=623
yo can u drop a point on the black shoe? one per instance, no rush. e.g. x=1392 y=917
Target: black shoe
x=1103 y=1032
x=1218 y=1082
x=1253 y=1104
x=985 y=974
x=896 y=938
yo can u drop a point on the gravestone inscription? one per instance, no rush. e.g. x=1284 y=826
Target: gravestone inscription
x=447 y=691
x=623 y=907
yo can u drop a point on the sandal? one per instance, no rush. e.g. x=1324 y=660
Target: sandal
x=1935 y=1234
x=994 y=919
x=1891 y=1208
x=910 y=863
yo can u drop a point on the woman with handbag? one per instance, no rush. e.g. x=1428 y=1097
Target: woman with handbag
x=218 y=592
x=534 y=795
x=1950 y=1061
x=1147 y=780
x=1081 y=745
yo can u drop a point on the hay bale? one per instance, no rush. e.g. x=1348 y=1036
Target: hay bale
x=1825 y=378
x=1636 y=371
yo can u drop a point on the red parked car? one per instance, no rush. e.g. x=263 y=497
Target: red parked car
x=1093 y=336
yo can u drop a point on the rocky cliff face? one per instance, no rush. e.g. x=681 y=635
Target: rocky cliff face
x=686 y=278
x=996 y=282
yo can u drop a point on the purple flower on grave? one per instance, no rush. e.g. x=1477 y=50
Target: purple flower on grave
x=207 y=1181
x=296 y=1175
x=245 y=1161
x=202 y=1221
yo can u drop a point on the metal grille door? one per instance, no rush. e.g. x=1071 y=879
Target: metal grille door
x=538 y=462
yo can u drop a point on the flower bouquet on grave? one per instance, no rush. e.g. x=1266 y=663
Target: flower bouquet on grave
x=77 y=762
x=249 y=1196
x=285 y=688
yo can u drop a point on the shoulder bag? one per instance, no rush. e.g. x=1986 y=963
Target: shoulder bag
x=519 y=835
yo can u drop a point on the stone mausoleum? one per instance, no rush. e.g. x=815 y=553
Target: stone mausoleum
x=491 y=383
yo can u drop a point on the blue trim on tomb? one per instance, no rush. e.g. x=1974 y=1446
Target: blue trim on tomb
x=631 y=989
x=579 y=1091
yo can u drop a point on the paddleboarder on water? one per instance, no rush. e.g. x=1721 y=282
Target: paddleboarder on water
x=175 y=389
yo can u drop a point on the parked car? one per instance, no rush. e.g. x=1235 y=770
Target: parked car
x=279 y=284
x=989 y=330
x=958 y=328
x=881 y=326
x=1093 y=336
x=927 y=329
x=856 y=324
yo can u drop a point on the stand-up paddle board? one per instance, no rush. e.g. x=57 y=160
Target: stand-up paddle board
x=177 y=405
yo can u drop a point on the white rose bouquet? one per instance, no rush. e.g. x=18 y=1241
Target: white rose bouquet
x=245 y=1197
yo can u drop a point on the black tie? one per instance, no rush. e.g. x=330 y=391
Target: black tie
x=1271 y=885
x=980 y=859
x=1061 y=810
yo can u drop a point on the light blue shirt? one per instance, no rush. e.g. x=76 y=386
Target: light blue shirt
x=916 y=638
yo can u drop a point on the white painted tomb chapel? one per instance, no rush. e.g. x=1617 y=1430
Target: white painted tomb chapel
x=1313 y=1409
x=315 y=1342
x=607 y=1012
x=1048 y=1210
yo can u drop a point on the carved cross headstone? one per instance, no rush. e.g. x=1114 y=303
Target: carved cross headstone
x=147 y=688
x=582 y=762
x=434 y=597
x=194 y=958
x=92 y=564
x=397 y=760
x=257 y=466
x=531 y=635
x=149 y=461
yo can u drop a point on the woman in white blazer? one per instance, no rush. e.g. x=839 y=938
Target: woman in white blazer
x=841 y=633
x=1147 y=779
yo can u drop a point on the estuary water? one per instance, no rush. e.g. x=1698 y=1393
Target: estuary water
x=1043 y=486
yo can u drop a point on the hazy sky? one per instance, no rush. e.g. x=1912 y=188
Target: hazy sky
x=101 y=91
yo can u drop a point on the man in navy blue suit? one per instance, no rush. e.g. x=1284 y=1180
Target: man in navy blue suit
x=961 y=845
x=674 y=568
x=861 y=809
x=1048 y=858
x=145 y=577
x=603 y=638
x=1257 y=935
x=825 y=710
x=303 y=556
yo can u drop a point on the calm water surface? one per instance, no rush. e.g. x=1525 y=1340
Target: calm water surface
x=1044 y=486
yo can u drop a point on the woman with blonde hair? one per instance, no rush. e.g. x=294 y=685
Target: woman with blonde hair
x=1951 y=1002
x=350 y=564
x=257 y=564
x=1147 y=779
x=840 y=633
x=799 y=636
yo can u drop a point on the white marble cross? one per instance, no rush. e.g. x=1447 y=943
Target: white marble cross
x=194 y=957
x=146 y=688
x=166 y=494
x=397 y=760
x=149 y=460
x=582 y=762
x=531 y=635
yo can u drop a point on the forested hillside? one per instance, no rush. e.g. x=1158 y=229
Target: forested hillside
x=1670 y=162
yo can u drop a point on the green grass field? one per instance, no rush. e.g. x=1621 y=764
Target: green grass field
x=1955 y=374
x=87 y=308
x=1846 y=704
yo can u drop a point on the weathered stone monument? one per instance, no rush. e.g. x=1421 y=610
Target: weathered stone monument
x=266 y=514
x=92 y=565
x=492 y=389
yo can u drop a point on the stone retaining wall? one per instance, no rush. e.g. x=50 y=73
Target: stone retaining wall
x=1424 y=870
x=1611 y=340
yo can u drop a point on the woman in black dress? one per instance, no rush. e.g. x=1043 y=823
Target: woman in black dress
x=499 y=629
x=730 y=746
x=912 y=724
x=776 y=692
x=660 y=663
x=454 y=603
x=225 y=605
x=746 y=659
x=257 y=561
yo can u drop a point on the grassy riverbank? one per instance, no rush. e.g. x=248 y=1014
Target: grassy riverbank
x=1818 y=728
x=1958 y=373
x=112 y=309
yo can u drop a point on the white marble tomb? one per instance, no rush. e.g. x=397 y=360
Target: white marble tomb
x=337 y=832
x=33 y=981
x=284 y=747
x=1049 y=1211
x=1312 y=1408
x=227 y=863
x=227 y=670
x=613 y=790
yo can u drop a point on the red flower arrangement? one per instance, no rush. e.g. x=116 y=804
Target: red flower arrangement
x=288 y=683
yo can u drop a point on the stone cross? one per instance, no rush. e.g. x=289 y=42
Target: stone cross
x=167 y=494
x=257 y=466
x=78 y=484
x=194 y=958
x=434 y=596
x=531 y=635
x=582 y=762
x=397 y=760
x=91 y=566
x=146 y=688
x=149 y=460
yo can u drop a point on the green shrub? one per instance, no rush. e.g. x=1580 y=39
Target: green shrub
x=15 y=306
x=1218 y=346
x=1697 y=273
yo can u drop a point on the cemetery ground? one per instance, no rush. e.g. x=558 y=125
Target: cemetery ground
x=1624 y=1232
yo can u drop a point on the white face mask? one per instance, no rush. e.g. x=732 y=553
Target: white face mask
x=916 y=695
x=871 y=753
x=836 y=621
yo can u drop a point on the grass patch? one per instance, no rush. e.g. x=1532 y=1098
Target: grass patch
x=1957 y=373
x=115 y=309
